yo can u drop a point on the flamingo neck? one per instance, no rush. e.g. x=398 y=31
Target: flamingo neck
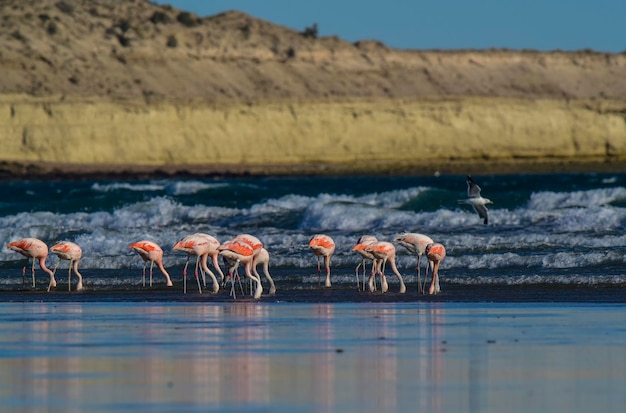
x=42 y=264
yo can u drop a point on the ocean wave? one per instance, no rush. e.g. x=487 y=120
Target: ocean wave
x=548 y=200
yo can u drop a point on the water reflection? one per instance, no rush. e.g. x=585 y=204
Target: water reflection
x=278 y=357
x=318 y=356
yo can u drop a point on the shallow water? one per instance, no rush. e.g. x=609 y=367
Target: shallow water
x=325 y=357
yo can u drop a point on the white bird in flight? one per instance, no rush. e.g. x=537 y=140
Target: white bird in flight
x=476 y=200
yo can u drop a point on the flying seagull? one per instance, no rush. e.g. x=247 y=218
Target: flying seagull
x=475 y=200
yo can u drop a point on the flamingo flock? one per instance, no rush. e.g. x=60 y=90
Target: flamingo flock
x=249 y=251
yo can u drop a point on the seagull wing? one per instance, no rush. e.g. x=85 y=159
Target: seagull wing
x=473 y=190
x=482 y=212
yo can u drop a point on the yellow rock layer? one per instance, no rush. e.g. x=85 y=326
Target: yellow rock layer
x=381 y=133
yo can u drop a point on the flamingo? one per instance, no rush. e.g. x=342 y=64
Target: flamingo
x=263 y=257
x=150 y=251
x=323 y=246
x=385 y=252
x=476 y=200
x=416 y=244
x=363 y=242
x=256 y=245
x=201 y=245
x=71 y=252
x=235 y=252
x=435 y=253
x=37 y=250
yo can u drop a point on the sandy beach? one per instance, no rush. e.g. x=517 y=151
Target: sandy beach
x=324 y=357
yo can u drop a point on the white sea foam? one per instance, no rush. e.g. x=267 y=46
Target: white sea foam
x=191 y=187
x=116 y=186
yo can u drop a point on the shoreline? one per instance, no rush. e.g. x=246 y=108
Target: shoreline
x=528 y=294
x=15 y=171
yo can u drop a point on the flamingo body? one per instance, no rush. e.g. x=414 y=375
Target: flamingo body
x=71 y=252
x=360 y=248
x=37 y=250
x=202 y=246
x=237 y=251
x=435 y=253
x=416 y=244
x=251 y=240
x=385 y=252
x=323 y=246
x=151 y=252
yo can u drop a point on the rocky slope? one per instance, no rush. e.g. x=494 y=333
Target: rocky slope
x=129 y=86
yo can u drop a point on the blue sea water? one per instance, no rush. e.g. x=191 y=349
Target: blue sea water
x=559 y=229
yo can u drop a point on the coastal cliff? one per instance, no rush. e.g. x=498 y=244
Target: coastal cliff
x=121 y=87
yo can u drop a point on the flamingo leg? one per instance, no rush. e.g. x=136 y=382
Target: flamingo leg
x=201 y=272
x=362 y=262
x=232 y=284
x=239 y=279
x=185 y=276
x=196 y=273
x=383 y=280
x=143 y=273
x=327 y=266
x=24 y=274
x=33 y=272
x=54 y=270
x=151 y=266
x=428 y=265
x=419 y=282
x=199 y=286
x=372 y=278
x=69 y=276
x=319 y=272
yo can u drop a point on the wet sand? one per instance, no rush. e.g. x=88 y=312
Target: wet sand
x=105 y=356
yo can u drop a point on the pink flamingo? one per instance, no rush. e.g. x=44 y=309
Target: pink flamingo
x=385 y=252
x=253 y=242
x=202 y=246
x=323 y=246
x=360 y=248
x=37 y=250
x=235 y=252
x=71 y=252
x=416 y=244
x=435 y=253
x=150 y=251
x=257 y=248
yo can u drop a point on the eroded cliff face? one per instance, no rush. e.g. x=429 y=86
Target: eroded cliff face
x=359 y=135
x=103 y=85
